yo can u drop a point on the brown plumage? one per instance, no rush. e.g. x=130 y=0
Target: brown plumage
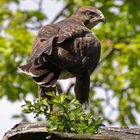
x=66 y=49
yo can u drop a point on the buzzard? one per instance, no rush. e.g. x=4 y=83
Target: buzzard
x=66 y=49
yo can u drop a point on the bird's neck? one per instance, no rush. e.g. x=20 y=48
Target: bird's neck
x=78 y=19
x=81 y=20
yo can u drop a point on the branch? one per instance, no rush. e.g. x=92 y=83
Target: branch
x=40 y=3
x=38 y=131
x=60 y=13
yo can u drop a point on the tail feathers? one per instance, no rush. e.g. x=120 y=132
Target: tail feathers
x=48 y=79
x=44 y=74
x=32 y=70
x=26 y=69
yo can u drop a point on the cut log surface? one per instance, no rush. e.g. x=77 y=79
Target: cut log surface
x=38 y=131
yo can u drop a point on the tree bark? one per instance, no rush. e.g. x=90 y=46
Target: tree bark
x=38 y=131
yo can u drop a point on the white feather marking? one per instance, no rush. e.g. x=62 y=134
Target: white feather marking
x=43 y=84
x=28 y=73
x=20 y=70
x=44 y=59
x=31 y=74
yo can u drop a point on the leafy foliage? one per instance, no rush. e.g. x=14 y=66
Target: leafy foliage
x=114 y=84
x=67 y=116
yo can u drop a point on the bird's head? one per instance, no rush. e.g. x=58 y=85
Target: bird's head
x=89 y=15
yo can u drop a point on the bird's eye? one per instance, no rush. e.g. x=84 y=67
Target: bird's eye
x=91 y=14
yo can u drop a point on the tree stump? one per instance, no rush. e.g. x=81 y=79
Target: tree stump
x=38 y=131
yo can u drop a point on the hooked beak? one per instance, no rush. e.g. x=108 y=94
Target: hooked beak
x=102 y=18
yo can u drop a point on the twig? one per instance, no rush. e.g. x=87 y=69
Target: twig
x=106 y=55
x=69 y=119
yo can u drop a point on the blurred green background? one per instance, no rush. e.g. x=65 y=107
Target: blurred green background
x=115 y=84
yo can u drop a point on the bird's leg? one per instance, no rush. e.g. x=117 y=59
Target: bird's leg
x=82 y=87
x=43 y=93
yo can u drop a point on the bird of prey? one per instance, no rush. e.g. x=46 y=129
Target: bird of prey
x=66 y=49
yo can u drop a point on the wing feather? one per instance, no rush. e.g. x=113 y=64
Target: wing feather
x=44 y=41
x=54 y=35
x=71 y=31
